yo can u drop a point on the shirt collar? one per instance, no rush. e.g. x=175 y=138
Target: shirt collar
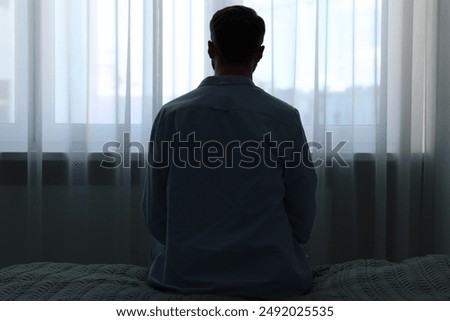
x=228 y=80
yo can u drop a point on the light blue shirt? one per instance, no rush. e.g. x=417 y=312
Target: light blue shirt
x=229 y=215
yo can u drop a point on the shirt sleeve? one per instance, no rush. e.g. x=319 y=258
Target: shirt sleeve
x=154 y=202
x=300 y=186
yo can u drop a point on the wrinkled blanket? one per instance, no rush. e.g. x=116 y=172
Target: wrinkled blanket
x=420 y=278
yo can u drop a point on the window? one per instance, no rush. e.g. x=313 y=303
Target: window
x=7 y=70
x=104 y=67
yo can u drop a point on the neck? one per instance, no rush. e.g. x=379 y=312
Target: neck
x=237 y=70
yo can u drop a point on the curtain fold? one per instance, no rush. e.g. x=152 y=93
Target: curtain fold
x=90 y=76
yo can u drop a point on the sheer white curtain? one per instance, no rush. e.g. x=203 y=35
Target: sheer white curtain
x=77 y=74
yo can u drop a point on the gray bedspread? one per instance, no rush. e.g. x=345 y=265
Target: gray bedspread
x=420 y=278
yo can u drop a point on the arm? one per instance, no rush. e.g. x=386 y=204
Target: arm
x=154 y=202
x=300 y=187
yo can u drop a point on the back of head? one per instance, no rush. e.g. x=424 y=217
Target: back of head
x=237 y=32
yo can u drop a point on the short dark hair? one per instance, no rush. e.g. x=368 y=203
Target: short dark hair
x=237 y=32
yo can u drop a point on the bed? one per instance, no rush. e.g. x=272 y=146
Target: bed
x=419 y=278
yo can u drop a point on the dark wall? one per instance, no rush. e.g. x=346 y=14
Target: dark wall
x=87 y=216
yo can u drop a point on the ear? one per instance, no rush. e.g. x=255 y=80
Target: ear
x=259 y=53
x=212 y=52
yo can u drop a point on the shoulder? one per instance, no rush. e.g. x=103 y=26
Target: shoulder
x=183 y=101
x=276 y=108
x=278 y=103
